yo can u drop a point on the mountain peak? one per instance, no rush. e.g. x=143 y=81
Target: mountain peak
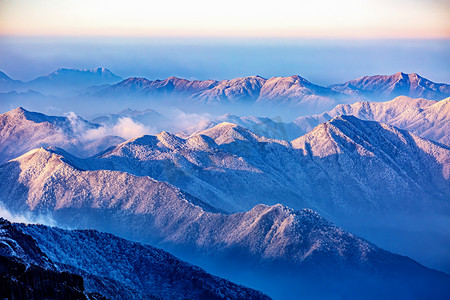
x=19 y=110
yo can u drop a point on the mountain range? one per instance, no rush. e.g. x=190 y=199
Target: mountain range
x=317 y=164
x=426 y=118
x=293 y=91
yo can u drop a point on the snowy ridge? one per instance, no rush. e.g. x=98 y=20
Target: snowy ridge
x=22 y=130
x=426 y=118
x=291 y=91
x=383 y=87
x=105 y=262
x=15 y=244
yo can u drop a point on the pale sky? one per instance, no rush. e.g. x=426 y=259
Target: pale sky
x=234 y=18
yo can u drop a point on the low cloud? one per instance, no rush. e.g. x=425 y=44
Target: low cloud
x=27 y=218
x=126 y=128
x=182 y=120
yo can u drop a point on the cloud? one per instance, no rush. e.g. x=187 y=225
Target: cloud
x=27 y=218
x=182 y=120
x=126 y=128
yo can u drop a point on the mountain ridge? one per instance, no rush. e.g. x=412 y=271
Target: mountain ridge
x=104 y=261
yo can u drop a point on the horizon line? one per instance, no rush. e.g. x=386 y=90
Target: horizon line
x=228 y=37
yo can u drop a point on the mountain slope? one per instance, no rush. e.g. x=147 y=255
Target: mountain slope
x=8 y=84
x=296 y=90
x=238 y=90
x=427 y=118
x=117 y=268
x=384 y=87
x=26 y=272
x=22 y=130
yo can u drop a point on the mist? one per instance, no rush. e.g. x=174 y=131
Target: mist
x=28 y=218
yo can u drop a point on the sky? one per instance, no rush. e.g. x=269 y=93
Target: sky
x=232 y=18
x=325 y=41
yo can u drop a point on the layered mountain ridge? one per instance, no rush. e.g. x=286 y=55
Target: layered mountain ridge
x=292 y=91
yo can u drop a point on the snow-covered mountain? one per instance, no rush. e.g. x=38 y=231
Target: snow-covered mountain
x=426 y=118
x=291 y=91
x=297 y=90
x=234 y=169
x=171 y=86
x=238 y=90
x=385 y=87
x=112 y=267
x=22 y=130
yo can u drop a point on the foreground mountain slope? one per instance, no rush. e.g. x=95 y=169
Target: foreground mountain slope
x=276 y=234
x=27 y=273
x=426 y=118
x=384 y=87
x=117 y=268
x=22 y=130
